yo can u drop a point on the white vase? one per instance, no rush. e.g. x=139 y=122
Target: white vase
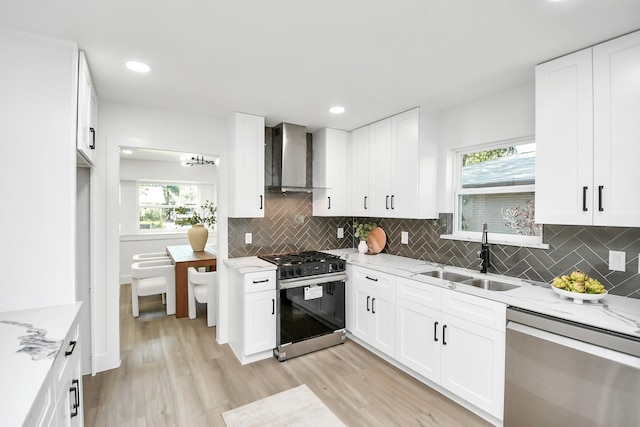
x=362 y=247
x=198 y=235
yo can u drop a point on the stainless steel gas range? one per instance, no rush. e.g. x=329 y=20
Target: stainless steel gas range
x=310 y=302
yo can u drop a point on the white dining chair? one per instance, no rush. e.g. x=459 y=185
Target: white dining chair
x=203 y=288
x=149 y=256
x=153 y=277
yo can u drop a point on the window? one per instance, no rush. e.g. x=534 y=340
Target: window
x=496 y=185
x=157 y=203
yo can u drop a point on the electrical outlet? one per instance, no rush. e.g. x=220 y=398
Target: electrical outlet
x=404 y=238
x=617 y=260
x=248 y=238
x=340 y=232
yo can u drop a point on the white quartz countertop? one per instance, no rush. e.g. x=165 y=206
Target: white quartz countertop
x=249 y=264
x=613 y=313
x=31 y=339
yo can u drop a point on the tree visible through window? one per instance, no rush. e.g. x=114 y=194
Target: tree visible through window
x=496 y=186
x=158 y=204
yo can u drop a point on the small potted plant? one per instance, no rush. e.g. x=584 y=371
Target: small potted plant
x=198 y=233
x=362 y=230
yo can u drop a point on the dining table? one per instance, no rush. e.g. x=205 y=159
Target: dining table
x=183 y=257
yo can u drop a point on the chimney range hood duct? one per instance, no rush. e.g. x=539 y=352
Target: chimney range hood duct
x=288 y=159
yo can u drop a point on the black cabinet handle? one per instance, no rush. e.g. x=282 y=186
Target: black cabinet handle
x=600 y=208
x=75 y=389
x=371 y=278
x=386 y=202
x=365 y=202
x=373 y=310
x=261 y=202
x=584 y=198
x=273 y=306
x=392 y=204
x=329 y=202
x=261 y=281
x=72 y=346
x=444 y=338
x=368 y=303
x=93 y=138
x=435 y=331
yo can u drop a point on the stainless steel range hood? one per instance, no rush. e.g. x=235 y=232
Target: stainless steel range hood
x=286 y=162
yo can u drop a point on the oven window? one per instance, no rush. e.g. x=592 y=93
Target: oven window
x=311 y=313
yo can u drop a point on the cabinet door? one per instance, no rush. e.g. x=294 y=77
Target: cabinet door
x=246 y=186
x=383 y=314
x=260 y=322
x=362 y=308
x=418 y=338
x=360 y=203
x=375 y=308
x=616 y=70
x=86 y=114
x=330 y=172
x=405 y=163
x=473 y=363
x=564 y=140
x=418 y=327
x=381 y=155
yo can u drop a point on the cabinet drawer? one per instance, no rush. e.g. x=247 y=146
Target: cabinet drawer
x=419 y=292
x=259 y=281
x=475 y=309
x=69 y=351
x=383 y=283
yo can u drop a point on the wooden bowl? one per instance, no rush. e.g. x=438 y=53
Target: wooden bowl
x=377 y=240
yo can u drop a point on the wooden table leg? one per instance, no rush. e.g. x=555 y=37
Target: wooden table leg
x=182 y=303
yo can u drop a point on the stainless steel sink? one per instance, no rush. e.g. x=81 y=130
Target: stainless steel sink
x=489 y=284
x=446 y=275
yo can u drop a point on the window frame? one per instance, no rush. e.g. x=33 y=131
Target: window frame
x=458 y=191
x=139 y=206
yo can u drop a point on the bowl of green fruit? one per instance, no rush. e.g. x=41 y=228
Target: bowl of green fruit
x=579 y=287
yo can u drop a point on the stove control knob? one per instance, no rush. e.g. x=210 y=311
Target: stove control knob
x=298 y=272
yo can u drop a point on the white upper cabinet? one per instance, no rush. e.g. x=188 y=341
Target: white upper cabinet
x=586 y=135
x=380 y=168
x=330 y=153
x=246 y=167
x=87 y=111
x=358 y=185
x=616 y=131
x=399 y=179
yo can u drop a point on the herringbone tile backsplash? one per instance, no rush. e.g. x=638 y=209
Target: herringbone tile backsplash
x=289 y=226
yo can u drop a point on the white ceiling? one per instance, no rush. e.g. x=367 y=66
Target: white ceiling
x=290 y=60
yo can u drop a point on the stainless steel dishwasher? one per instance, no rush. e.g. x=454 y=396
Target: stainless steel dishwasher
x=560 y=373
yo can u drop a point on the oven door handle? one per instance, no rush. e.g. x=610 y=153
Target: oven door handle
x=313 y=280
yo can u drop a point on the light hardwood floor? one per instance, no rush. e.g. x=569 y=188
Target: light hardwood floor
x=173 y=373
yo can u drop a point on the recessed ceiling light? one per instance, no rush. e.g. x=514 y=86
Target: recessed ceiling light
x=138 y=67
x=336 y=110
x=127 y=152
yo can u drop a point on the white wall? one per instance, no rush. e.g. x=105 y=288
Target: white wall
x=38 y=170
x=139 y=127
x=500 y=117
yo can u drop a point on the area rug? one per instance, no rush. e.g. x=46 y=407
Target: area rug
x=298 y=407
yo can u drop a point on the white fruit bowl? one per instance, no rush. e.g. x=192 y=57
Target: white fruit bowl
x=578 y=298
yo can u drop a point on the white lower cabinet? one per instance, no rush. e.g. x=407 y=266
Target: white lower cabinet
x=252 y=325
x=59 y=403
x=455 y=340
x=374 y=308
